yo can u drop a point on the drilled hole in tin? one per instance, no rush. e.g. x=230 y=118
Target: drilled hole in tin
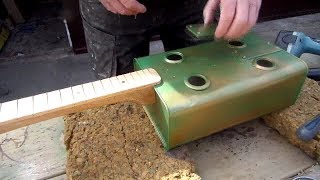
x=265 y=63
x=175 y=57
x=197 y=82
x=236 y=44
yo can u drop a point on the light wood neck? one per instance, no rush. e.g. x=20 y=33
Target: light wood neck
x=135 y=87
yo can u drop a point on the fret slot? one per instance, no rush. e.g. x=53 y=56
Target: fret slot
x=136 y=76
x=123 y=82
x=66 y=96
x=143 y=77
x=78 y=93
x=116 y=84
x=131 y=82
x=98 y=88
x=107 y=86
x=89 y=91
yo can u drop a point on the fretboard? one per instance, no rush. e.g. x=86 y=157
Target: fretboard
x=136 y=86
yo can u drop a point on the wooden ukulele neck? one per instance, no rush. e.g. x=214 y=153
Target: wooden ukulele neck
x=136 y=87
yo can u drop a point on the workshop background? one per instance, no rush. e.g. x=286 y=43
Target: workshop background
x=42 y=48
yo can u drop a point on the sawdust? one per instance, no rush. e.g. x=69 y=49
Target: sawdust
x=287 y=121
x=119 y=142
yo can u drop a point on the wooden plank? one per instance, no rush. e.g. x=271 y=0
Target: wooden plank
x=9 y=110
x=25 y=106
x=33 y=152
x=137 y=87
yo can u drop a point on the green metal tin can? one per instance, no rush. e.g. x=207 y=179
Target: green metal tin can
x=216 y=85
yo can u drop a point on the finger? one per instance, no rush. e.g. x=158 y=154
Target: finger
x=134 y=6
x=118 y=7
x=105 y=4
x=240 y=23
x=228 y=10
x=253 y=14
x=258 y=5
x=209 y=10
x=111 y=8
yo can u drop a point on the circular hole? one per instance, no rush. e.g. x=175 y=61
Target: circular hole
x=197 y=82
x=174 y=57
x=237 y=44
x=264 y=64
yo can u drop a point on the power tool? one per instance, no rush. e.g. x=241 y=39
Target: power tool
x=297 y=43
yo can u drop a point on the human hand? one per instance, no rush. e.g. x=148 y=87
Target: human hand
x=237 y=17
x=124 y=7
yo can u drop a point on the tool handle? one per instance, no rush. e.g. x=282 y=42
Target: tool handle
x=315 y=40
x=310 y=129
x=311 y=46
x=314 y=73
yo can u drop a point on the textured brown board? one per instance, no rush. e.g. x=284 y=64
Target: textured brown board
x=118 y=142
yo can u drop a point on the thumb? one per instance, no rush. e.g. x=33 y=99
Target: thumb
x=209 y=10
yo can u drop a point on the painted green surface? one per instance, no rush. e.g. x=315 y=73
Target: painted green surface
x=200 y=32
x=238 y=91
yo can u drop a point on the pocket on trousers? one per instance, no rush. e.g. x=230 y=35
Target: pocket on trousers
x=96 y=33
x=101 y=46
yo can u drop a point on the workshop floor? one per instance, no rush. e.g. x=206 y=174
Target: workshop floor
x=248 y=151
x=44 y=32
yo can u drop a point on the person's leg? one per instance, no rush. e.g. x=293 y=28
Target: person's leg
x=113 y=41
x=179 y=15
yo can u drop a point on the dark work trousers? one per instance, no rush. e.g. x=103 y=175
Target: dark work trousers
x=115 y=40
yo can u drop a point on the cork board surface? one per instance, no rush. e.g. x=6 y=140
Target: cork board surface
x=287 y=121
x=119 y=142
